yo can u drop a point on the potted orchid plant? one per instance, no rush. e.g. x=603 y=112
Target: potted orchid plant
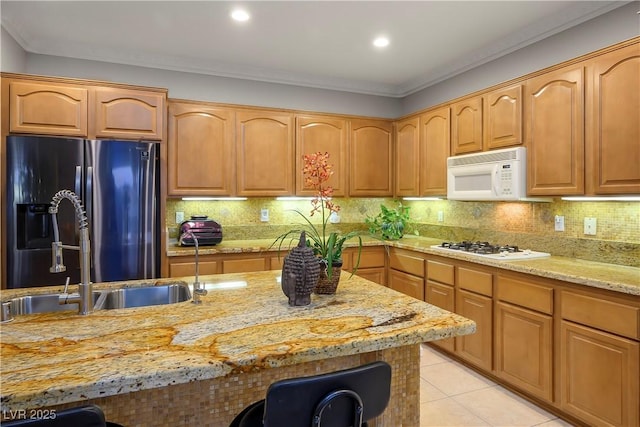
x=327 y=245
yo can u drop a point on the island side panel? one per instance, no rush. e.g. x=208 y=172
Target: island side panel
x=217 y=401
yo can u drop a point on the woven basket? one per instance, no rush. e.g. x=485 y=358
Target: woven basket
x=325 y=285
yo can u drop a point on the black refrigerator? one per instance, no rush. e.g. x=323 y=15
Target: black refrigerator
x=118 y=183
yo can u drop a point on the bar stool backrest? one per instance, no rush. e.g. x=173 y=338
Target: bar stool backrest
x=337 y=399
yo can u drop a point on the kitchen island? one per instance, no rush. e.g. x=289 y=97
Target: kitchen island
x=199 y=365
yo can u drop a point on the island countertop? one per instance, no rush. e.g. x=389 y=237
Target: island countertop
x=243 y=324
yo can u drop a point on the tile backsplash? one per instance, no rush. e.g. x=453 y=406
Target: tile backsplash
x=528 y=225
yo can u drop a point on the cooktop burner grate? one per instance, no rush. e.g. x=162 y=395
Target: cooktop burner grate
x=489 y=250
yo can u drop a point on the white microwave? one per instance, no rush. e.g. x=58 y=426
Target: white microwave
x=490 y=175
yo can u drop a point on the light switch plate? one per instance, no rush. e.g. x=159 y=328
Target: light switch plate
x=590 y=226
x=440 y=216
x=559 y=223
x=179 y=217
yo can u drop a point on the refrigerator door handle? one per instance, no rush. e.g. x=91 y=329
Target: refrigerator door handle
x=78 y=181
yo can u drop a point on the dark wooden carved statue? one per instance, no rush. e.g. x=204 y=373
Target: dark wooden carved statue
x=300 y=273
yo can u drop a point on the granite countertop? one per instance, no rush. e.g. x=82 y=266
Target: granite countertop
x=618 y=278
x=244 y=323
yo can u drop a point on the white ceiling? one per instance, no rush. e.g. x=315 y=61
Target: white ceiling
x=325 y=44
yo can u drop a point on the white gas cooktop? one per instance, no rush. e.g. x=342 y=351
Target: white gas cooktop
x=503 y=256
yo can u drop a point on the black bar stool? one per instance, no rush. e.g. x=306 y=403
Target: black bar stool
x=82 y=416
x=344 y=398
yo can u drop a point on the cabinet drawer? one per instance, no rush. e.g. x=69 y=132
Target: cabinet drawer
x=183 y=269
x=525 y=294
x=369 y=258
x=244 y=265
x=407 y=262
x=609 y=316
x=476 y=281
x=440 y=272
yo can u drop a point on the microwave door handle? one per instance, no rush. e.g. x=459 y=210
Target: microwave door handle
x=497 y=188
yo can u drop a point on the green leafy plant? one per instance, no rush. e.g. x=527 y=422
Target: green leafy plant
x=389 y=224
x=326 y=245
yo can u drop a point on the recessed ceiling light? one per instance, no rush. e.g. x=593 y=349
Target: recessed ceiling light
x=381 y=42
x=240 y=15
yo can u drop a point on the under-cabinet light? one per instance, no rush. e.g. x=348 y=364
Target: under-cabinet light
x=224 y=199
x=603 y=199
x=292 y=198
x=421 y=198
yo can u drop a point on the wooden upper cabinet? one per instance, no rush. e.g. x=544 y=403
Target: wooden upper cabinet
x=129 y=114
x=322 y=134
x=200 y=150
x=264 y=153
x=407 y=159
x=554 y=132
x=370 y=158
x=48 y=109
x=434 y=150
x=466 y=126
x=503 y=117
x=613 y=120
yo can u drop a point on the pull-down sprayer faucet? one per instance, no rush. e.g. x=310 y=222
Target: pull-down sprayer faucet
x=85 y=289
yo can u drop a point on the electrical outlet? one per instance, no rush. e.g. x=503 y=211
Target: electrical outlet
x=179 y=217
x=590 y=226
x=559 y=223
x=440 y=216
x=264 y=215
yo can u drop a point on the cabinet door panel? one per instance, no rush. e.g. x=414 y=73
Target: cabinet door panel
x=47 y=109
x=613 y=108
x=407 y=284
x=599 y=376
x=407 y=165
x=476 y=348
x=435 y=147
x=503 y=117
x=322 y=134
x=264 y=153
x=524 y=349
x=466 y=126
x=200 y=150
x=370 y=158
x=555 y=133
x=376 y=275
x=129 y=114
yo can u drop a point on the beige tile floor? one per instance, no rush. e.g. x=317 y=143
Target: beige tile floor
x=454 y=395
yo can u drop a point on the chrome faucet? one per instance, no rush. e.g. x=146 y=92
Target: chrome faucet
x=198 y=288
x=84 y=298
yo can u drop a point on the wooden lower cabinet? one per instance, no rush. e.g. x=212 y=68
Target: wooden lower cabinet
x=524 y=349
x=476 y=348
x=406 y=272
x=441 y=296
x=599 y=378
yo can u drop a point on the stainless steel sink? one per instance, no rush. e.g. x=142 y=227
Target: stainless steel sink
x=43 y=303
x=145 y=296
x=106 y=299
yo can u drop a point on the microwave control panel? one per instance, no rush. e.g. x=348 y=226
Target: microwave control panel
x=506 y=178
